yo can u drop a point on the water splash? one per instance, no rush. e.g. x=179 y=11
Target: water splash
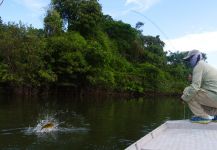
x=48 y=124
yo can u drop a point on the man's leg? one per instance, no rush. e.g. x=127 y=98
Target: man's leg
x=210 y=110
x=201 y=105
x=209 y=105
x=197 y=109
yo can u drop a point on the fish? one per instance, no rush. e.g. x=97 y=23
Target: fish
x=47 y=125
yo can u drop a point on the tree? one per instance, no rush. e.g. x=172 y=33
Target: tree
x=139 y=25
x=125 y=37
x=21 y=57
x=53 y=23
x=95 y=52
x=80 y=15
x=66 y=57
x=175 y=58
x=1 y=22
x=153 y=51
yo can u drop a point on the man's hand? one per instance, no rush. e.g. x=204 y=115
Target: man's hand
x=181 y=100
x=189 y=78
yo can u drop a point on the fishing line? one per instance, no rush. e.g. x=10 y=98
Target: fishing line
x=167 y=38
x=184 y=110
x=156 y=26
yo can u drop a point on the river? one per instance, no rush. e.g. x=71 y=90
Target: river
x=87 y=123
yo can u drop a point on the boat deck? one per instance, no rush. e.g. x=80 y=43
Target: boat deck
x=179 y=135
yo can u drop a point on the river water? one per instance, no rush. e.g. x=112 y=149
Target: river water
x=87 y=123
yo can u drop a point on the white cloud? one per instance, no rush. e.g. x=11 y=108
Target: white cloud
x=205 y=42
x=34 y=11
x=34 y=5
x=142 y=5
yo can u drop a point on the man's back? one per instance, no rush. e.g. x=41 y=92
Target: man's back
x=209 y=78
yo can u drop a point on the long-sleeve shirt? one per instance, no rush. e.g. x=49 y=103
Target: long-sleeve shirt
x=204 y=78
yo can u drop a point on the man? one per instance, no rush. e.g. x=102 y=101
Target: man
x=201 y=95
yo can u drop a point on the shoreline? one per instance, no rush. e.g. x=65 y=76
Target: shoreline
x=80 y=92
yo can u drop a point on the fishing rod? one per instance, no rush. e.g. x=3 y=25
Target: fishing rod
x=1 y=2
x=155 y=25
x=152 y=22
x=165 y=35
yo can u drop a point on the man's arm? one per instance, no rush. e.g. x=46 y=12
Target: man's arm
x=190 y=91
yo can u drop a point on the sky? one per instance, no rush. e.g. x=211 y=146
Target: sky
x=182 y=24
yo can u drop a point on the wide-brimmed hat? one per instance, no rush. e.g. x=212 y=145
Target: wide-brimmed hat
x=191 y=53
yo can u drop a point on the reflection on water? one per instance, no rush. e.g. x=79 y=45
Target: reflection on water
x=91 y=123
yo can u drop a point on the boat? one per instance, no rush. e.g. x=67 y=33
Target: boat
x=179 y=135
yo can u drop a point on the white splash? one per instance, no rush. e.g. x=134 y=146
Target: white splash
x=41 y=126
x=49 y=124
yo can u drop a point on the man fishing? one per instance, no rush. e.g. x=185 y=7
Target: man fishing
x=201 y=95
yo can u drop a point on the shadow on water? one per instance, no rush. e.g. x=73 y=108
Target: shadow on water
x=87 y=123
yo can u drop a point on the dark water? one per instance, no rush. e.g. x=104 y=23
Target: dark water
x=90 y=123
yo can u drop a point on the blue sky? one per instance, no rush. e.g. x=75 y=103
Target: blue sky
x=183 y=25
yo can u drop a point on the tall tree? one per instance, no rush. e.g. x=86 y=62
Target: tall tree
x=79 y=15
x=53 y=23
x=153 y=50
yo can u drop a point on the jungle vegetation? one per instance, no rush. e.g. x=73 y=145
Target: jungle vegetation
x=80 y=47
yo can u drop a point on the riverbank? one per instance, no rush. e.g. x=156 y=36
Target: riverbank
x=96 y=92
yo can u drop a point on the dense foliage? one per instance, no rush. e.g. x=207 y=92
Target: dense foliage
x=82 y=48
